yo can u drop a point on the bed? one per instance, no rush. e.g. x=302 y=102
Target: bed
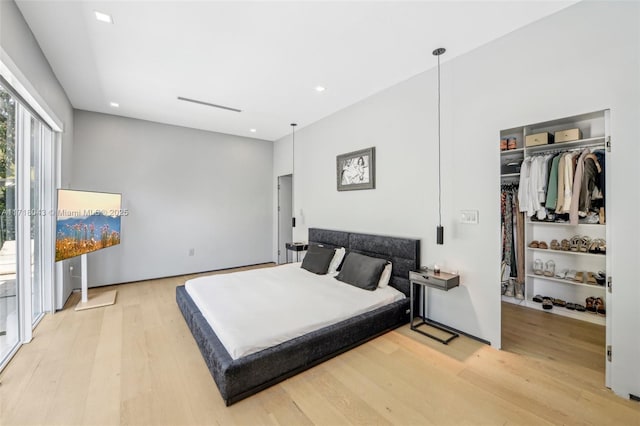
x=240 y=375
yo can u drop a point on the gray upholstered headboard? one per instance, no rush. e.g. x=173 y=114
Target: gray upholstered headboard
x=404 y=253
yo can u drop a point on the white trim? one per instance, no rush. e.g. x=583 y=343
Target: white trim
x=10 y=72
x=23 y=231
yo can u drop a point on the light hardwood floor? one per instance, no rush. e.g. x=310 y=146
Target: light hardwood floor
x=136 y=363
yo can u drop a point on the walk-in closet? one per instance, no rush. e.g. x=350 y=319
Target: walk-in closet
x=555 y=250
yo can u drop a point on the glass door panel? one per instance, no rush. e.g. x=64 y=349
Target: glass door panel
x=9 y=314
x=35 y=218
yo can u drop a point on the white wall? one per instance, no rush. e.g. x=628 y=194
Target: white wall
x=583 y=59
x=184 y=189
x=19 y=48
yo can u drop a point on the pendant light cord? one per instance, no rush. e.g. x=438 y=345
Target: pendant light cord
x=439 y=160
x=293 y=172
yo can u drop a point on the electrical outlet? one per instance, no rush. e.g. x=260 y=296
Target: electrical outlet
x=192 y=252
x=469 y=217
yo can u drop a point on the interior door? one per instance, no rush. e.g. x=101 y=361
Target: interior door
x=285 y=210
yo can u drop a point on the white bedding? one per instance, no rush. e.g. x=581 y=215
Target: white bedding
x=256 y=309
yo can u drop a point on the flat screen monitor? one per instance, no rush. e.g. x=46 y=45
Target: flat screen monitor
x=86 y=222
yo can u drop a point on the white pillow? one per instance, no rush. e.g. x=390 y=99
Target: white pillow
x=337 y=260
x=385 y=276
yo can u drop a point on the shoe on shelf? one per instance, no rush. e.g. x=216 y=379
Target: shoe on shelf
x=519 y=290
x=562 y=274
x=537 y=267
x=571 y=306
x=575 y=243
x=600 y=277
x=598 y=246
x=547 y=303
x=538 y=298
x=579 y=307
x=509 y=291
x=534 y=244
x=543 y=245
x=503 y=144
x=585 y=244
x=598 y=304
x=549 y=268
x=591 y=278
x=512 y=143
x=559 y=302
x=571 y=275
x=555 y=245
x=590 y=304
x=565 y=245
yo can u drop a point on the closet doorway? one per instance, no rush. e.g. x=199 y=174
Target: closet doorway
x=555 y=270
x=285 y=215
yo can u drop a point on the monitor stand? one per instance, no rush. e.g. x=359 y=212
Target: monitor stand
x=103 y=299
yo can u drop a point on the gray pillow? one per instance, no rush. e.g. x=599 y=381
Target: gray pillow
x=361 y=271
x=317 y=259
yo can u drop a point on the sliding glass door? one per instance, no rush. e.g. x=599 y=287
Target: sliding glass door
x=22 y=221
x=9 y=313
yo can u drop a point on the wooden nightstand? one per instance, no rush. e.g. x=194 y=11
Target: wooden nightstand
x=441 y=281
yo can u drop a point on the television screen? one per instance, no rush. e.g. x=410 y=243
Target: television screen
x=86 y=222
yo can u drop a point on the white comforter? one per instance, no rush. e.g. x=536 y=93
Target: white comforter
x=256 y=309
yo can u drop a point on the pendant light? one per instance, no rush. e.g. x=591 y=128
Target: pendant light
x=439 y=229
x=293 y=174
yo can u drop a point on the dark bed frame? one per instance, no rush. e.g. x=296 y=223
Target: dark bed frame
x=237 y=379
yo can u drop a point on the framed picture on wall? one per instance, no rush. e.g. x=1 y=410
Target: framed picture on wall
x=356 y=170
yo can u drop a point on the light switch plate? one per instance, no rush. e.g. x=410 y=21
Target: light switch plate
x=469 y=217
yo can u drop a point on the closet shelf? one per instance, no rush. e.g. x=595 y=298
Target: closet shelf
x=584 y=316
x=561 y=146
x=573 y=253
x=533 y=222
x=559 y=280
x=518 y=152
x=508 y=175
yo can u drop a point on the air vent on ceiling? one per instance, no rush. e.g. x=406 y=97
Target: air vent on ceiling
x=195 y=101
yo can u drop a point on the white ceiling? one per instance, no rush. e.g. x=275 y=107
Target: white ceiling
x=265 y=58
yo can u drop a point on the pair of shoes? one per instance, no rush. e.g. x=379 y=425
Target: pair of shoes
x=537 y=267
x=538 y=244
x=579 y=277
x=555 y=245
x=565 y=245
x=598 y=246
x=598 y=304
x=503 y=144
x=549 y=268
x=589 y=303
x=512 y=143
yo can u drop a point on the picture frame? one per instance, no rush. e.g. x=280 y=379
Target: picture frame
x=356 y=170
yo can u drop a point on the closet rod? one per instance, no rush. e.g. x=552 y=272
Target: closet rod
x=560 y=149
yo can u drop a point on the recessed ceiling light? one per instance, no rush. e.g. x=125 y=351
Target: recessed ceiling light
x=114 y=104
x=252 y=130
x=103 y=17
x=320 y=89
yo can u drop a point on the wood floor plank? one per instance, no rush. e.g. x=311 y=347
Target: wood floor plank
x=136 y=363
